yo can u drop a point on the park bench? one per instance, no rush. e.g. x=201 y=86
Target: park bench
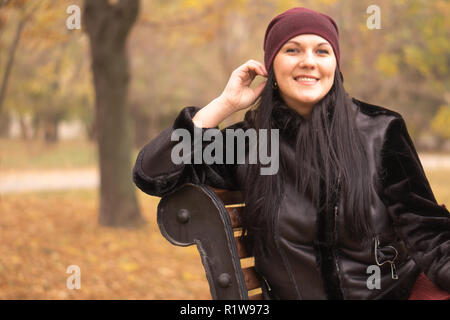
x=209 y=218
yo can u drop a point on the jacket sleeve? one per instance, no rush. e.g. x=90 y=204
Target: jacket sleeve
x=156 y=173
x=422 y=224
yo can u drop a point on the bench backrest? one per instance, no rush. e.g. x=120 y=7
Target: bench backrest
x=209 y=218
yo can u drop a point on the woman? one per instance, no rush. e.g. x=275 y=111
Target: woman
x=350 y=194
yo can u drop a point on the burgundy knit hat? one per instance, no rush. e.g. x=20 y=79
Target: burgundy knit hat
x=294 y=22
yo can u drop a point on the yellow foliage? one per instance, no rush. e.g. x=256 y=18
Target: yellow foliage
x=196 y=4
x=441 y=122
x=129 y=266
x=327 y=2
x=283 y=5
x=387 y=64
x=414 y=57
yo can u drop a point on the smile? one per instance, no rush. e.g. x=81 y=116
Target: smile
x=306 y=80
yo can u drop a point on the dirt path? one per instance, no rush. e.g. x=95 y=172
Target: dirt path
x=48 y=180
x=11 y=182
x=435 y=161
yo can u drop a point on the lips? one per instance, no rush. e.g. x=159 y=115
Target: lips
x=306 y=80
x=302 y=78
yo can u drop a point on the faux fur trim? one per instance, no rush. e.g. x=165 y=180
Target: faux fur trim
x=287 y=121
x=184 y=119
x=325 y=248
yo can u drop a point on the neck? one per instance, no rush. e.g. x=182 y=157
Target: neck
x=302 y=108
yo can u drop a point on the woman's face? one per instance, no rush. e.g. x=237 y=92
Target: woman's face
x=304 y=70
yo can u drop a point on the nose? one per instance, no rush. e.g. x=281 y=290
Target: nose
x=307 y=60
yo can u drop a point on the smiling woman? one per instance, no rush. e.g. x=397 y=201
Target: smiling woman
x=304 y=71
x=350 y=193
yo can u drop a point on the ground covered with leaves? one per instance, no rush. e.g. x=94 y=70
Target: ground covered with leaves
x=42 y=234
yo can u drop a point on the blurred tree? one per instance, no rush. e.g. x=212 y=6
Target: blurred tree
x=407 y=61
x=51 y=77
x=26 y=11
x=108 y=24
x=441 y=123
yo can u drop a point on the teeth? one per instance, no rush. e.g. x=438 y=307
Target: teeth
x=305 y=79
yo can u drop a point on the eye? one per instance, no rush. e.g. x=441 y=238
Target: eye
x=323 y=51
x=291 y=50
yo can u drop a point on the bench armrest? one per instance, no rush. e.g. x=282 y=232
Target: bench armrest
x=194 y=214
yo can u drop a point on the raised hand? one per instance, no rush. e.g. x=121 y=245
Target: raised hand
x=237 y=95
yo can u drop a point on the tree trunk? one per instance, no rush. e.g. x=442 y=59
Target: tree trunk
x=10 y=62
x=108 y=26
x=5 y=122
x=51 y=131
x=24 y=128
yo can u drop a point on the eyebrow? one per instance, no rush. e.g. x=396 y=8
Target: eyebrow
x=298 y=43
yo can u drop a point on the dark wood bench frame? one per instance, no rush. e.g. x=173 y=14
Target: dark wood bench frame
x=209 y=218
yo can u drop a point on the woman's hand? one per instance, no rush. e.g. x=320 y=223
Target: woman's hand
x=237 y=94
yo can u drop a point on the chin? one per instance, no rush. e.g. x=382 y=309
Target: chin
x=308 y=100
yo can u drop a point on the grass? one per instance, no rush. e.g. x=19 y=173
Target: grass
x=38 y=155
x=16 y=154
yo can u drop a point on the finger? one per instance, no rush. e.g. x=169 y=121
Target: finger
x=265 y=71
x=260 y=66
x=256 y=68
x=247 y=73
x=254 y=65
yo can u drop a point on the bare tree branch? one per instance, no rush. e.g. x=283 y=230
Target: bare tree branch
x=13 y=49
x=10 y=62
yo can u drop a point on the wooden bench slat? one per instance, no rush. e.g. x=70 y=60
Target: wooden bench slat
x=258 y=296
x=252 y=280
x=242 y=253
x=229 y=197
x=234 y=216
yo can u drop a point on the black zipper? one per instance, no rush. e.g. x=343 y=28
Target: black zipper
x=335 y=251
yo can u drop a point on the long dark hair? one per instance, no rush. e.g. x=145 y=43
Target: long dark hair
x=330 y=162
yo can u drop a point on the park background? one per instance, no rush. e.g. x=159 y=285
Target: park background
x=76 y=105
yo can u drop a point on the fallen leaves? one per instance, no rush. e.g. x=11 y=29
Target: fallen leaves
x=41 y=234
